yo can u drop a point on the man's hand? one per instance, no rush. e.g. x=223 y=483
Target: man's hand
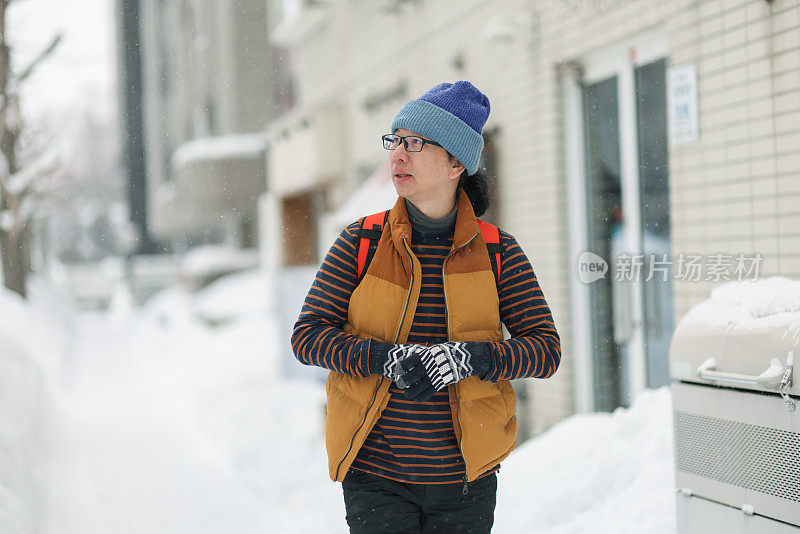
x=431 y=369
x=387 y=357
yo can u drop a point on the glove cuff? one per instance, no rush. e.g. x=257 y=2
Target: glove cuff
x=480 y=357
x=378 y=356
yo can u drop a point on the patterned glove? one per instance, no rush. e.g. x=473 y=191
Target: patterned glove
x=385 y=358
x=432 y=369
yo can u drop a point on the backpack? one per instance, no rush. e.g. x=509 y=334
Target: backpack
x=372 y=228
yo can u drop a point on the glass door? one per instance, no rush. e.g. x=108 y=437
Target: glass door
x=604 y=211
x=651 y=113
x=626 y=186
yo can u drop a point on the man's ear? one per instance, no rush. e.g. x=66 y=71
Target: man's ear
x=455 y=170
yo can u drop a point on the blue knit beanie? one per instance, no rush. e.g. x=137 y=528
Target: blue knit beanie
x=453 y=115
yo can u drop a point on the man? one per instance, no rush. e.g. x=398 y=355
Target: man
x=420 y=408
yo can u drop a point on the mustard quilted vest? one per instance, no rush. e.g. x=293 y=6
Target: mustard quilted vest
x=382 y=307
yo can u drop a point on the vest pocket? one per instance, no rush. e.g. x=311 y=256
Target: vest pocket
x=488 y=403
x=360 y=390
x=488 y=423
x=472 y=388
x=510 y=398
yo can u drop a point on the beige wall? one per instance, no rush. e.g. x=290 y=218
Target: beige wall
x=739 y=189
x=739 y=184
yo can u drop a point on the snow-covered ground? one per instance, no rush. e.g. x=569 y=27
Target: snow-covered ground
x=176 y=418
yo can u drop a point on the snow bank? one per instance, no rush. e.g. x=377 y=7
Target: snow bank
x=31 y=345
x=20 y=396
x=39 y=326
x=594 y=473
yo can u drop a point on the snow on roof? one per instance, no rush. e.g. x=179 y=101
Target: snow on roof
x=211 y=259
x=236 y=295
x=753 y=304
x=240 y=146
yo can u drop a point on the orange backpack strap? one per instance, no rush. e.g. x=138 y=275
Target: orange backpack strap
x=491 y=234
x=369 y=234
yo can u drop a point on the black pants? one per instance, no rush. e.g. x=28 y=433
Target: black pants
x=376 y=505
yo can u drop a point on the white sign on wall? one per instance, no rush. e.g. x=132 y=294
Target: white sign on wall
x=682 y=105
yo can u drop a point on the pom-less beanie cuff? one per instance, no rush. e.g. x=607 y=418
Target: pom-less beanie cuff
x=458 y=138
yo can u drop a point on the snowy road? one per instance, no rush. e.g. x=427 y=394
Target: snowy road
x=123 y=457
x=156 y=422
x=173 y=428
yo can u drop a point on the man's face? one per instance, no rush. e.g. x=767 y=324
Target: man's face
x=425 y=176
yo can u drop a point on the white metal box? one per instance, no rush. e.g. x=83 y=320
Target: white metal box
x=736 y=391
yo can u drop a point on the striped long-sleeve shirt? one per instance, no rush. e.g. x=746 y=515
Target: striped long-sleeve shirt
x=415 y=441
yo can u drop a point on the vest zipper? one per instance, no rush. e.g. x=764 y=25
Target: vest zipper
x=396 y=337
x=408 y=296
x=458 y=420
x=352 y=439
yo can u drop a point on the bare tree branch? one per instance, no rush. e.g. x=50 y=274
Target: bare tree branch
x=46 y=52
x=5 y=174
x=28 y=178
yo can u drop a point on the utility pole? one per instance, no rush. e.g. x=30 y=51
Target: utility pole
x=132 y=120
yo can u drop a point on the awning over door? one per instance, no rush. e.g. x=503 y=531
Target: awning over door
x=375 y=194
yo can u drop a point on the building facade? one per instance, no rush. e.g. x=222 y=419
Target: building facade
x=209 y=86
x=621 y=131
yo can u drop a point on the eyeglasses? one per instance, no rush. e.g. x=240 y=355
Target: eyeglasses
x=411 y=143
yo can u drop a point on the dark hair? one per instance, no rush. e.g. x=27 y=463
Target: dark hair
x=478 y=188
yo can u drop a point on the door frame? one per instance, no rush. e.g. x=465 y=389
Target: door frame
x=620 y=59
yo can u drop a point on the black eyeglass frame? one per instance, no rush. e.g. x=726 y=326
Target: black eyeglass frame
x=386 y=142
